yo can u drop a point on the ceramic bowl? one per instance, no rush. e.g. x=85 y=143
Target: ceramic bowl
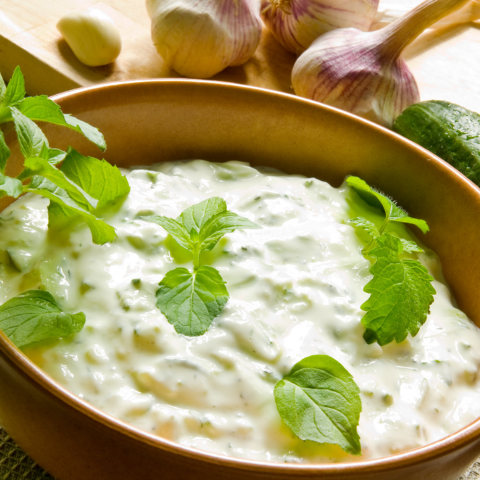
x=151 y=121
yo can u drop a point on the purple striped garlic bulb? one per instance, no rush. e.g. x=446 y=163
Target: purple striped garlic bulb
x=200 y=38
x=364 y=72
x=297 y=23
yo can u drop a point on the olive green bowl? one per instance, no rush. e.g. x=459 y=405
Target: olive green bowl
x=157 y=120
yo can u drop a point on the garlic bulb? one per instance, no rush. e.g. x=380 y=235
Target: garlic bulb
x=92 y=35
x=391 y=12
x=364 y=72
x=200 y=38
x=297 y=23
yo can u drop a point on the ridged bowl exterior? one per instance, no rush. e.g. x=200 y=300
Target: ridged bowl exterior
x=158 y=120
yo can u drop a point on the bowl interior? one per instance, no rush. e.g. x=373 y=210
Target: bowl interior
x=151 y=121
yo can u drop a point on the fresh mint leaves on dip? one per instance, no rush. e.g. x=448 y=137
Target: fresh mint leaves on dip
x=401 y=290
x=81 y=186
x=78 y=189
x=191 y=300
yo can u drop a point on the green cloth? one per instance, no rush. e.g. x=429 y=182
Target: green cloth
x=16 y=465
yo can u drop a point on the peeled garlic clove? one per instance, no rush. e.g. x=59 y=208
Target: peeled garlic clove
x=297 y=23
x=92 y=35
x=199 y=39
x=364 y=72
x=341 y=69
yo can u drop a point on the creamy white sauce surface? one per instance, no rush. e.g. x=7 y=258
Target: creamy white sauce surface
x=295 y=285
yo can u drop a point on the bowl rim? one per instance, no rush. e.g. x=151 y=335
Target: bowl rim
x=23 y=365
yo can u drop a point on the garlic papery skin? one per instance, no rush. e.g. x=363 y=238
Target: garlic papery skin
x=297 y=23
x=391 y=12
x=199 y=38
x=92 y=35
x=364 y=72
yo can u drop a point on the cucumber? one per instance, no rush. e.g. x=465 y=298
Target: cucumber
x=447 y=130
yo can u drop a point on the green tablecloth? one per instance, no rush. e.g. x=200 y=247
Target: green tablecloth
x=16 y=465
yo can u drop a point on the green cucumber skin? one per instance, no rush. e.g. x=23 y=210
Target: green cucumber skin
x=447 y=130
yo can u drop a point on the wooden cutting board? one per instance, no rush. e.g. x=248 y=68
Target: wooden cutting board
x=446 y=63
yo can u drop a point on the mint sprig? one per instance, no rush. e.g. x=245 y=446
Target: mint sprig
x=192 y=300
x=320 y=401
x=82 y=185
x=35 y=315
x=401 y=290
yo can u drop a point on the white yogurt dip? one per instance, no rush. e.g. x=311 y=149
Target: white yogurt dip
x=295 y=285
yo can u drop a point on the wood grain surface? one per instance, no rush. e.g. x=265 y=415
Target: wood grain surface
x=446 y=62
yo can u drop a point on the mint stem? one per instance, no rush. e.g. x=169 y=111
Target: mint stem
x=384 y=224
x=196 y=258
x=367 y=249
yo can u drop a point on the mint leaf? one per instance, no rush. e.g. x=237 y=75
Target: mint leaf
x=366 y=225
x=4 y=153
x=219 y=225
x=11 y=187
x=371 y=229
x=101 y=231
x=41 y=108
x=320 y=401
x=410 y=247
x=30 y=137
x=369 y=195
x=3 y=89
x=15 y=91
x=59 y=215
x=55 y=156
x=211 y=221
x=376 y=199
x=91 y=133
x=201 y=226
x=191 y=301
x=173 y=227
x=421 y=224
x=195 y=217
x=42 y=167
x=35 y=315
x=97 y=178
x=401 y=294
